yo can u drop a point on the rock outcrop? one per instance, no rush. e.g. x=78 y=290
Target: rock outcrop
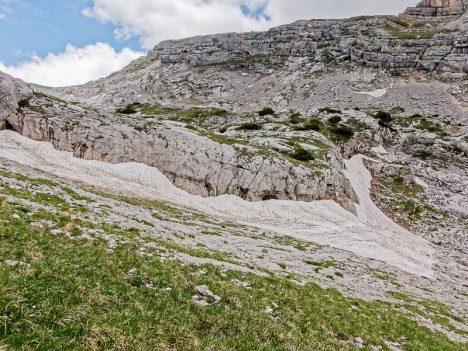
x=427 y=9
x=13 y=93
x=375 y=42
x=191 y=161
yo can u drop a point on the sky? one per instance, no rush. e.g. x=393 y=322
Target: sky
x=70 y=42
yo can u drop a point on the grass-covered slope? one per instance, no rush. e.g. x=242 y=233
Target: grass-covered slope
x=79 y=295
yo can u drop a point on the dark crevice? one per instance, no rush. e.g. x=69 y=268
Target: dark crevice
x=9 y=126
x=269 y=197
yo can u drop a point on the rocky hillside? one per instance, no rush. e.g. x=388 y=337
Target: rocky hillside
x=323 y=151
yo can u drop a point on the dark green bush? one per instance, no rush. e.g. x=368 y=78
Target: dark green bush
x=312 y=124
x=334 y=119
x=295 y=118
x=23 y=103
x=302 y=154
x=266 y=111
x=343 y=131
x=129 y=109
x=249 y=126
x=329 y=110
x=383 y=116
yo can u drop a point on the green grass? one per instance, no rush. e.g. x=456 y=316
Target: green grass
x=78 y=296
x=410 y=35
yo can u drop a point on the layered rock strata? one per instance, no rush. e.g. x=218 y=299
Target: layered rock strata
x=437 y=9
x=192 y=162
x=374 y=42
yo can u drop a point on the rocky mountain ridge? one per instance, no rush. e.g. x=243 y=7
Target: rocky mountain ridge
x=369 y=113
x=382 y=42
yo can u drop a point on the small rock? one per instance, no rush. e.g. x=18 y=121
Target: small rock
x=15 y=216
x=243 y=284
x=200 y=301
x=203 y=290
x=359 y=342
x=206 y=295
x=269 y=310
x=202 y=272
x=16 y=263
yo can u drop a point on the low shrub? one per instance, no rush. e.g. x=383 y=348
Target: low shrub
x=383 y=116
x=266 y=111
x=343 y=131
x=334 y=119
x=249 y=126
x=302 y=154
x=295 y=118
x=23 y=103
x=329 y=110
x=129 y=109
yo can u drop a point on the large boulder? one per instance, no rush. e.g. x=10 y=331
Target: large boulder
x=13 y=92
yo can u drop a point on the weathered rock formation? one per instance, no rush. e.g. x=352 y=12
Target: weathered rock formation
x=437 y=9
x=192 y=162
x=12 y=92
x=375 y=42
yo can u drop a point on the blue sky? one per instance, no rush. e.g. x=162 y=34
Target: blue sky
x=68 y=42
x=44 y=26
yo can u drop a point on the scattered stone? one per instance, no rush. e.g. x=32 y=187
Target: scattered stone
x=205 y=296
x=16 y=263
x=394 y=346
x=240 y=283
x=359 y=342
x=15 y=216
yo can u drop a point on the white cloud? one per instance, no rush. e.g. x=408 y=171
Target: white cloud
x=2 y=16
x=157 y=20
x=73 y=66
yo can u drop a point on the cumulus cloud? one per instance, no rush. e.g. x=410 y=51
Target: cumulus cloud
x=156 y=20
x=73 y=66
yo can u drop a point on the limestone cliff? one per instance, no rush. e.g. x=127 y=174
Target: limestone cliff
x=191 y=161
x=437 y=9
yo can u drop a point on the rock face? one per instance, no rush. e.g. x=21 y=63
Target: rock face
x=437 y=9
x=12 y=91
x=192 y=162
x=374 y=42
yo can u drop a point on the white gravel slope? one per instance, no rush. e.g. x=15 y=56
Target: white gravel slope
x=370 y=234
